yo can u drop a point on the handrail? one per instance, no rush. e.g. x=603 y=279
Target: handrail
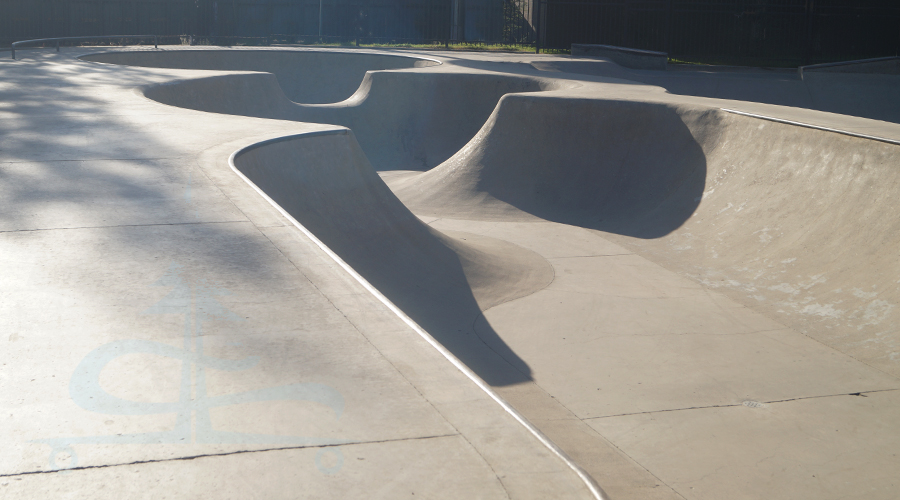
x=57 y=40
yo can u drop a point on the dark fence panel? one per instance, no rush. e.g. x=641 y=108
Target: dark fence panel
x=230 y=21
x=731 y=31
x=785 y=32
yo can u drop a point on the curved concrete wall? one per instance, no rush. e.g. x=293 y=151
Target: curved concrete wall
x=406 y=120
x=305 y=76
x=442 y=281
x=801 y=225
x=586 y=161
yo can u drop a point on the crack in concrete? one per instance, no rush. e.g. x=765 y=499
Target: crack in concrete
x=123 y=225
x=590 y=256
x=859 y=394
x=28 y=162
x=225 y=454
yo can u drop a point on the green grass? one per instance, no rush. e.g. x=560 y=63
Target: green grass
x=748 y=62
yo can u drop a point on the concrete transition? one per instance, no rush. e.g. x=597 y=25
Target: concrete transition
x=372 y=274
x=623 y=56
x=880 y=65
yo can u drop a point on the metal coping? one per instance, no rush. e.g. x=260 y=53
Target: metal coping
x=894 y=142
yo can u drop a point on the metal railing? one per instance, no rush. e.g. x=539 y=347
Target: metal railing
x=80 y=38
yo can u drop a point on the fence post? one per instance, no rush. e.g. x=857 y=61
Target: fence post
x=537 y=19
x=155 y=42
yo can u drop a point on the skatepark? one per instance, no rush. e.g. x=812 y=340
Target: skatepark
x=352 y=273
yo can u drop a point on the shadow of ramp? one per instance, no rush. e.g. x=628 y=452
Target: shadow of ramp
x=631 y=168
x=441 y=281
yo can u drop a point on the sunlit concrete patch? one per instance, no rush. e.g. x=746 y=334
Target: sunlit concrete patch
x=793 y=449
x=427 y=468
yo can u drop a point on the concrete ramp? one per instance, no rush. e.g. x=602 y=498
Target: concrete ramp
x=593 y=162
x=438 y=114
x=791 y=221
x=442 y=281
x=305 y=76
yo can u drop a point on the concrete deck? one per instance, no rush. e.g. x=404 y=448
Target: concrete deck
x=681 y=282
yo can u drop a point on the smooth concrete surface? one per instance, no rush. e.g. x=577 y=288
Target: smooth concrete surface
x=167 y=333
x=688 y=301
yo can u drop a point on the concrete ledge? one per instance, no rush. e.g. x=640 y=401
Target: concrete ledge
x=623 y=56
x=880 y=65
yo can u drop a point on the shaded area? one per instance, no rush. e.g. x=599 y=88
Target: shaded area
x=78 y=167
x=441 y=282
x=304 y=75
x=409 y=120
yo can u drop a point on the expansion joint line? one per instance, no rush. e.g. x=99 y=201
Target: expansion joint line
x=226 y=454
x=863 y=394
x=586 y=479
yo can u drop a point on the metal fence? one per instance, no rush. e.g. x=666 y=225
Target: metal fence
x=242 y=21
x=730 y=31
x=785 y=32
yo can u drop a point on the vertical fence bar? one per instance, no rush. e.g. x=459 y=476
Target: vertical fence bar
x=807 y=45
x=668 y=42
